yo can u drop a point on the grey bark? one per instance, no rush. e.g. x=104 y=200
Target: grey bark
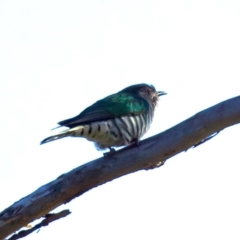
x=151 y=153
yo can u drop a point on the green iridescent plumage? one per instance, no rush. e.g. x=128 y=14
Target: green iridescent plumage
x=116 y=105
x=116 y=120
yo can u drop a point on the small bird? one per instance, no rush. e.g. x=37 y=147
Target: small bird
x=117 y=120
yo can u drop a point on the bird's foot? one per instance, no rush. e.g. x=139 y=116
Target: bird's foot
x=112 y=150
x=135 y=143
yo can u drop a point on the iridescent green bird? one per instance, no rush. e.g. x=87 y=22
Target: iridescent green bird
x=116 y=120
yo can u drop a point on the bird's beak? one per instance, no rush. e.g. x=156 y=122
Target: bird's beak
x=161 y=93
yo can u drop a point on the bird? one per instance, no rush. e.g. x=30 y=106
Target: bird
x=117 y=120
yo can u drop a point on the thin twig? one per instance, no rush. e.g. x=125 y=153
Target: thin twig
x=51 y=217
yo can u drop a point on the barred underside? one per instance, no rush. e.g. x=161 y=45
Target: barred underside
x=116 y=132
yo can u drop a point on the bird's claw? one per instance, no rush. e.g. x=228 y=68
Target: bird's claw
x=112 y=150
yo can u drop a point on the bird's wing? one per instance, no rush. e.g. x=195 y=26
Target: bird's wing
x=116 y=105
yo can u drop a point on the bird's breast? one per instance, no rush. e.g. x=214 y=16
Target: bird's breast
x=116 y=132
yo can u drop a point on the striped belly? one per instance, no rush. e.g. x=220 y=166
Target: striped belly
x=116 y=132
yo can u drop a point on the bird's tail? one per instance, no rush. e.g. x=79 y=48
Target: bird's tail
x=67 y=133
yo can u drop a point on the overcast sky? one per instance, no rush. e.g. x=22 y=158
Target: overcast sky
x=59 y=57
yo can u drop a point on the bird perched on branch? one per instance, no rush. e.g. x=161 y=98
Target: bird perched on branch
x=116 y=120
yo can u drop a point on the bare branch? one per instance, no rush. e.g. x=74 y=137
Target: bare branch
x=151 y=153
x=51 y=217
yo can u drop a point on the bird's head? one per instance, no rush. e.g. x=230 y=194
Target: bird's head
x=146 y=91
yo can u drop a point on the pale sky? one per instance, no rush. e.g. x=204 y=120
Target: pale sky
x=59 y=57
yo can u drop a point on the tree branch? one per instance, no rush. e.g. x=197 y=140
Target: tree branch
x=51 y=217
x=151 y=153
